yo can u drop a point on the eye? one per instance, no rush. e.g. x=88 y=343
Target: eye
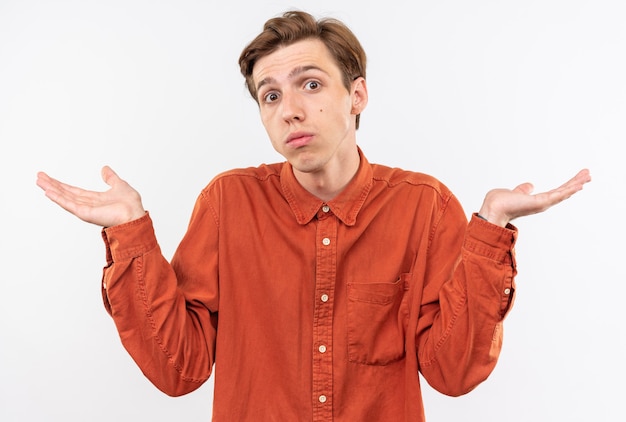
x=270 y=97
x=312 y=85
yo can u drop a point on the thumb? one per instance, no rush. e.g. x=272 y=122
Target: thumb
x=526 y=188
x=108 y=175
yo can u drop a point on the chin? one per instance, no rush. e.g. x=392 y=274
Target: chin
x=306 y=166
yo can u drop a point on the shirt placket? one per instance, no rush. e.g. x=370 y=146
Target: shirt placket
x=325 y=274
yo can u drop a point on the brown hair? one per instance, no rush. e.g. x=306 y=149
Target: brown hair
x=295 y=26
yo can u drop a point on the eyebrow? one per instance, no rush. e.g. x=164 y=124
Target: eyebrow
x=294 y=72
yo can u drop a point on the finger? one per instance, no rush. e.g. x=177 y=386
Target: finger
x=575 y=184
x=109 y=176
x=77 y=201
x=566 y=190
x=584 y=175
x=525 y=188
x=48 y=184
x=43 y=180
x=57 y=193
x=67 y=196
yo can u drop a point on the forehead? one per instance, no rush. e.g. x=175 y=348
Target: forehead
x=280 y=63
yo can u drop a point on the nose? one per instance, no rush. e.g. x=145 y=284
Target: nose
x=291 y=107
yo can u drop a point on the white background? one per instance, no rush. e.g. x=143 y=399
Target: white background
x=481 y=94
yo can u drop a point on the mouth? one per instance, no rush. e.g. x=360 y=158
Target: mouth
x=298 y=139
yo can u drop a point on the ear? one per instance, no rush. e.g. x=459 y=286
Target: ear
x=359 y=95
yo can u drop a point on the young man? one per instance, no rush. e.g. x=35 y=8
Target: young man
x=319 y=287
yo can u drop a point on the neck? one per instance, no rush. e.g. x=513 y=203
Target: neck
x=330 y=181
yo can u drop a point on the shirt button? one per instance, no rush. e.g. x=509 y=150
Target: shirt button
x=507 y=291
x=325 y=208
x=326 y=241
x=324 y=297
x=322 y=349
x=322 y=399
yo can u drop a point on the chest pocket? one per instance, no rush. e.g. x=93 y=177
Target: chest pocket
x=376 y=321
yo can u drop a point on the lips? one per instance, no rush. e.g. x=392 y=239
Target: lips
x=299 y=139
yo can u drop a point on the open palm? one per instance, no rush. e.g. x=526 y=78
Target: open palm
x=503 y=205
x=118 y=205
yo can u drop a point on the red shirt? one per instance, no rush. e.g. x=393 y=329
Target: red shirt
x=315 y=311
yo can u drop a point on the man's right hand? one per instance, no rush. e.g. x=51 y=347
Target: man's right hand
x=118 y=205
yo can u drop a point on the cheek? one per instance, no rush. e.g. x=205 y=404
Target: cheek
x=266 y=120
x=273 y=132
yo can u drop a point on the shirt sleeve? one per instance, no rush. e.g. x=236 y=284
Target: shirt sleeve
x=166 y=317
x=464 y=300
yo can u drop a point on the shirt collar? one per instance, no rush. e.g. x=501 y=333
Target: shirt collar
x=345 y=206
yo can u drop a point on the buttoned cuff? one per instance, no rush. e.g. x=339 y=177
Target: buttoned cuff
x=129 y=240
x=490 y=240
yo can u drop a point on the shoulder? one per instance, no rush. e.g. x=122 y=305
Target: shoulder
x=245 y=176
x=262 y=172
x=394 y=177
x=241 y=187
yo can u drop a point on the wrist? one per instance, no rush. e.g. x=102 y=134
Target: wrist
x=492 y=217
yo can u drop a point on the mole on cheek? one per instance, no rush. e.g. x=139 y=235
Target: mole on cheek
x=321 y=110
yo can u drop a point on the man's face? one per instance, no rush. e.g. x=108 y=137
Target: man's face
x=307 y=111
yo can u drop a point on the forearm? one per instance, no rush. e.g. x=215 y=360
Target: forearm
x=170 y=340
x=464 y=340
